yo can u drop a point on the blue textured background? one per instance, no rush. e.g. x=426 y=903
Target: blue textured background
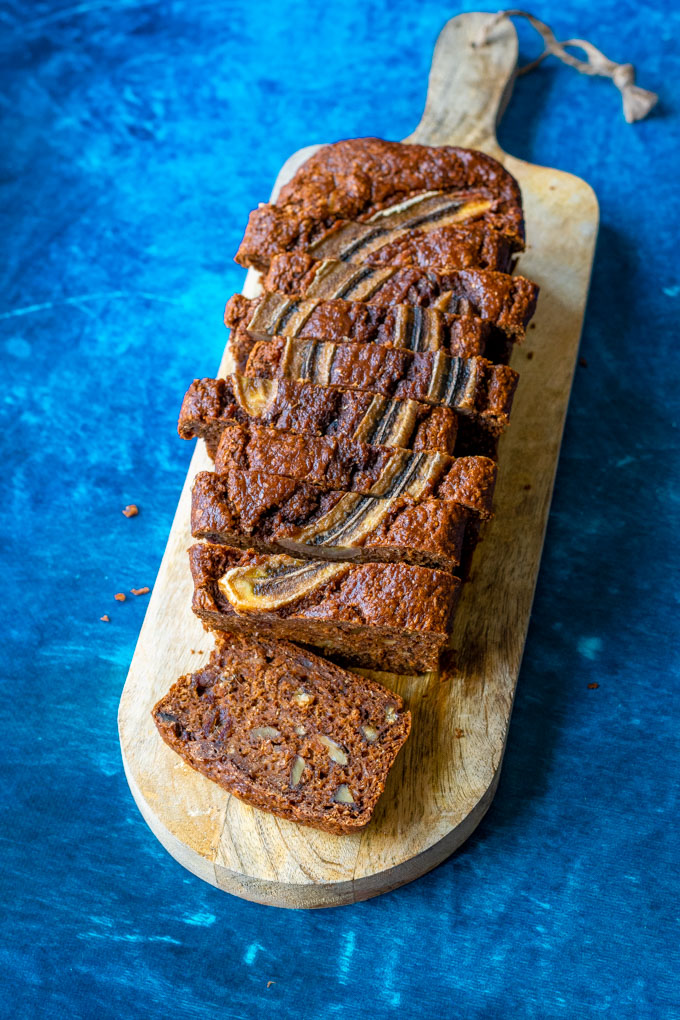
x=136 y=137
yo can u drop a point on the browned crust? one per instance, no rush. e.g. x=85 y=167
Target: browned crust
x=208 y=718
x=387 y=616
x=268 y=512
x=393 y=372
x=211 y=405
x=241 y=344
x=507 y=301
x=351 y=466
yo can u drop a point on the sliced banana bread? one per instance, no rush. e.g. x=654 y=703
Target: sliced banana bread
x=212 y=405
x=272 y=513
x=286 y=731
x=506 y=301
x=386 y=616
x=401 y=325
x=352 y=466
x=469 y=386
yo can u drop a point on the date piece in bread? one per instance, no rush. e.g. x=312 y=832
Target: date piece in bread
x=286 y=731
x=386 y=616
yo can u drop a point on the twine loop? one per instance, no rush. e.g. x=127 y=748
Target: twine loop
x=637 y=102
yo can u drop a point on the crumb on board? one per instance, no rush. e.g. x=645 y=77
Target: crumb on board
x=458 y=732
x=131 y=510
x=530 y=355
x=593 y=687
x=140 y=591
x=105 y=618
x=120 y=596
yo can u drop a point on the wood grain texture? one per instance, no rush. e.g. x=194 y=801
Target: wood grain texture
x=446 y=776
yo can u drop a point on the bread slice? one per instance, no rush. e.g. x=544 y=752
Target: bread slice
x=212 y=405
x=371 y=180
x=286 y=731
x=507 y=301
x=271 y=513
x=427 y=233
x=386 y=616
x=431 y=246
x=469 y=386
x=408 y=326
x=338 y=463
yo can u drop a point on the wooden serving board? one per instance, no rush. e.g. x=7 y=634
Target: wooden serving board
x=446 y=776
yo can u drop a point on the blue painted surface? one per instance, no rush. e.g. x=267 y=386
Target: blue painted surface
x=137 y=135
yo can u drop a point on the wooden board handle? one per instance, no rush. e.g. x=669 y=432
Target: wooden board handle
x=469 y=85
